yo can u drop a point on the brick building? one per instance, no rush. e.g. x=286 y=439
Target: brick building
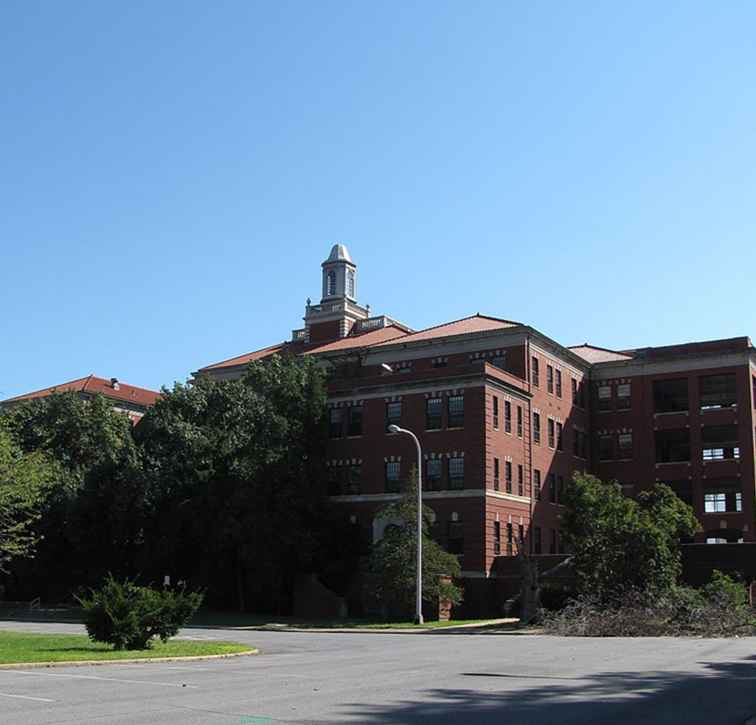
x=128 y=399
x=505 y=415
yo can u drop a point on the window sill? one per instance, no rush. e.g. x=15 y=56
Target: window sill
x=673 y=463
x=672 y=412
x=455 y=427
x=718 y=410
x=720 y=460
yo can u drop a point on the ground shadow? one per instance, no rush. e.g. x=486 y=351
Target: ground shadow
x=718 y=694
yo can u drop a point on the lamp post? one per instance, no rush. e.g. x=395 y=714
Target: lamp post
x=395 y=429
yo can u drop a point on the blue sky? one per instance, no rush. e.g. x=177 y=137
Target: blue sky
x=172 y=174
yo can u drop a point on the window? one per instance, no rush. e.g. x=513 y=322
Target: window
x=671 y=396
x=520 y=480
x=559 y=383
x=456 y=411
x=672 y=446
x=519 y=421
x=497 y=538
x=550 y=379
x=433 y=413
x=534 y=375
x=507 y=416
x=723 y=497
x=579 y=443
x=440 y=362
x=606 y=447
x=536 y=428
x=559 y=436
x=495 y=412
x=393 y=413
x=350 y=283
x=625 y=445
x=499 y=361
x=392 y=477
x=574 y=391
x=336 y=422
x=550 y=429
x=717 y=391
x=433 y=474
x=354 y=479
x=520 y=535
x=605 y=397
x=537 y=484
x=331 y=291
x=354 y=428
x=455 y=538
x=496 y=474
x=623 y=396
x=552 y=488
x=537 y=546
x=456 y=473
x=720 y=442
x=510 y=540
x=508 y=476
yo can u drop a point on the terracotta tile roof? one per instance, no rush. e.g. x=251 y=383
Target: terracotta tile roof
x=465 y=326
x=93 y=385
x=351 y=342
x=365 y=339
x=593 y=354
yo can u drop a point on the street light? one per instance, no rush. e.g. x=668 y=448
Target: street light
x=394 y=430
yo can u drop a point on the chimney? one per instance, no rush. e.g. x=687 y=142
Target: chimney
x=114 y=384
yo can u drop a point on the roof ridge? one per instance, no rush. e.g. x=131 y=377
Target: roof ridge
x=243 y=354
x=49 y=387
x=597 y=347
x=462 y=319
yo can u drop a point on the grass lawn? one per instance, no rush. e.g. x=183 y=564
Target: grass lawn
x=25 y=647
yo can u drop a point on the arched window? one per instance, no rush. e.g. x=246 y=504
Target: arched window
x=350 y=283
x=331 y=288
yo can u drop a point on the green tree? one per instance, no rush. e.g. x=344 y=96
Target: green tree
x=393 y=559
x=24 y=481
x=235 y=481
x=618 y=543
x=92 y=518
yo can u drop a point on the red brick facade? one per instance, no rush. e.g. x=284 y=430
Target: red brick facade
x=499 y=407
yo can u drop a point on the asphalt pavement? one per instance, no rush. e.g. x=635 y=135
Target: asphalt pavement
x=373 y=678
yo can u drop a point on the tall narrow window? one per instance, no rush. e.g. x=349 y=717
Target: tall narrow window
x=507 y=416
x=355 y=421
x=606 y=447
x=605 y=397
x=433 y=413
x=536 y=428
x=623 y=396
x=558 y=374
x=350 y=283
x=331 y=283
x=534 y=374
x=456 y=473
x=455 y=537
x=433 y=474
x=336 y=422
x=537 y=484
x=549 y=379
x=519 y=421
x=625 y=445
x=510 y=540
x=520 y=480
x=497 y=538
x=496 y=474
x=552 y=488
x=456 y=410
x=495 y=412
x=354 y=479
x=508 y=476
x=392 y=477
x=393 y=413
x=574 y=391
x=550 y=430
x=559 y=436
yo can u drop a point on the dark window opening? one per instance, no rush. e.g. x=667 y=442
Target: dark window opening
x=336 y=422
x=534 y=374
x=433 y=473
x=456 y=411
x=455 y=538
x=550 y=429
x=536 y=428
x=717 y=391
x=496 y=474
x=433 y=413
x=625 y=445
x=510 y=540
x=519 y=421
x=537 y=484
x=456 y=473
x=606 y=448
x=671 y=396
x=392 y=477
x=604 y=397
x=393 y=413
x=508 y=476
x=495 y=413
x=354 y=427
x=720 y=442
x=672 y=446
x=507 y=416
x=497 y=538
x=623 y=396
x=559 y=383
x=549 y=379
x=559 y=436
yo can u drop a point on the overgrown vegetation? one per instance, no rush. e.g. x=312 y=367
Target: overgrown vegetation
x=627 y=562
x=130 y=617
x=393 y=560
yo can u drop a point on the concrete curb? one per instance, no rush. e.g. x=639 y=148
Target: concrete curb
x=484 y=627
x=132 y=661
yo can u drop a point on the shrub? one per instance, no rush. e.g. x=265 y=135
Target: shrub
x=717 y=610
x=130 y=616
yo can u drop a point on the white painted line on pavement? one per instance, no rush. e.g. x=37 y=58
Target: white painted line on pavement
x=96 y=677
x=26 y=697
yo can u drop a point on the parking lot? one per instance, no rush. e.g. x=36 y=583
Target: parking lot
x=468 y=679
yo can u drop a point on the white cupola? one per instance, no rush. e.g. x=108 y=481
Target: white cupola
x=339 y=275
